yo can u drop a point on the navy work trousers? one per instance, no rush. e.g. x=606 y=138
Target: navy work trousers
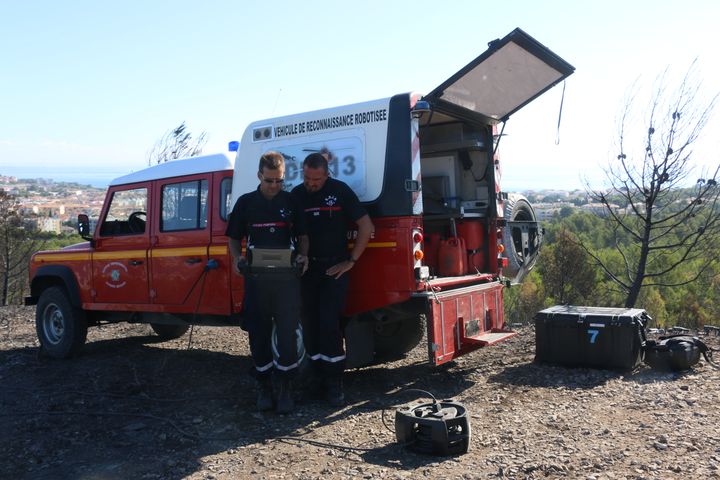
x=272 y=298
x=323 y=300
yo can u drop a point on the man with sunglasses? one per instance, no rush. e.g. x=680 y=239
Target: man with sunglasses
x=330 y=208
x=269 y=217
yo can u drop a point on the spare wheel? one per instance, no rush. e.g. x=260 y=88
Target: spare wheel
x=521 y=237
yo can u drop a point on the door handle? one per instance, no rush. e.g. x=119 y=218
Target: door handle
x=192 y=261
x=135 y=262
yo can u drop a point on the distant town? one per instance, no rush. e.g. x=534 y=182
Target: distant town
x=51 y=206
x=550 y=203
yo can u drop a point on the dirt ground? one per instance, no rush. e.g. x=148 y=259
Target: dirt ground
x=131 y=407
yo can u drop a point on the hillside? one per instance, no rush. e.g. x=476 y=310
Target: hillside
x=132 y=407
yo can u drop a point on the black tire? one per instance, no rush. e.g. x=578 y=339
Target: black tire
x=520 y=259
x=396 y=334
x=169 y=332
x=61 y=328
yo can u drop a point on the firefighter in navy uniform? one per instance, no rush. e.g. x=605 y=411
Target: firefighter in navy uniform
x=330 y=206
x=269 y=218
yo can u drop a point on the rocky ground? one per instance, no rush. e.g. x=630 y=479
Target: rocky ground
x=132 y=407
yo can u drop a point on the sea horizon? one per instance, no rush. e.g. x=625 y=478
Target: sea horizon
x=102 y=178
x=79 y=175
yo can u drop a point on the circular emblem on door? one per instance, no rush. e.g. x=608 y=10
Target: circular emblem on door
x=113 y=273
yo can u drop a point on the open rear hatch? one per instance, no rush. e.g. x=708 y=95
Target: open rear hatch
x=511 y=73
x=466 y=312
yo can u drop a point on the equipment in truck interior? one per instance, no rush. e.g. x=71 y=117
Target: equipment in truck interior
x=435 y=191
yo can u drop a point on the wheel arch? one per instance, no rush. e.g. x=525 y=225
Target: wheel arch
x=55 y=275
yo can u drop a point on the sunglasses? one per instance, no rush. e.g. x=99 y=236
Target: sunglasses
x=273 y=180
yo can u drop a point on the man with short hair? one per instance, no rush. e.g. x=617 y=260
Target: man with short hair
x=330 y=207
x=269 y=217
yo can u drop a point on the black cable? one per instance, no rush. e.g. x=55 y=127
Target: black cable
x=421 y=391
x=350 y=448
x=202 y=277
x=318 y=443
x=562 y=99
x=382 y=415
x=709 y=357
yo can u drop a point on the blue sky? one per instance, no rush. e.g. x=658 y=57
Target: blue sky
x=87 y=87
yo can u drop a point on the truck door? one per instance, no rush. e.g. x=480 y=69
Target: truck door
x=511 y=73
x=180 y=240
x=120 y=267
x=219 y=300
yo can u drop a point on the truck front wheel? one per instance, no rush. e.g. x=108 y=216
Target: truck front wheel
x=61 y=328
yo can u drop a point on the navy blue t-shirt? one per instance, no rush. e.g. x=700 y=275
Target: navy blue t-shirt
x=327 y=215
x=273 y=223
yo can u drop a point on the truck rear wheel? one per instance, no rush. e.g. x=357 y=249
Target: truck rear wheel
x=61 y=328
x=395 y=335
x=169 y=332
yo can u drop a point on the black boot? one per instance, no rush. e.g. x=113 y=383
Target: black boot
x=334 y=391
x=264 y=395
x=285 y=402
x=311 y=386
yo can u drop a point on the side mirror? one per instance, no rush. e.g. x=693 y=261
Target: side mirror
x=84 y=226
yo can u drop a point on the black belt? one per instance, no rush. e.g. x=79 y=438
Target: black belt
x=327 y=259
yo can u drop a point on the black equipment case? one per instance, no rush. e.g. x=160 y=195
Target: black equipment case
x=598 y=337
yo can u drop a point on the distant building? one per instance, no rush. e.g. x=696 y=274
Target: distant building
x=599 y=208
x=639 y=208
x=546 y=211
x=46 y=224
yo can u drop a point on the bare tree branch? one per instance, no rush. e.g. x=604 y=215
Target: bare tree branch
x=654 y=233
x=177 y=143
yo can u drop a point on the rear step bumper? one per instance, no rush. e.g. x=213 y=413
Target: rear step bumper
x=489 y=338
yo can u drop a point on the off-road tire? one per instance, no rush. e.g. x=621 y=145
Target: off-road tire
x=169 y=332
x=61 y=328
x=517 y=208
x=395 y=337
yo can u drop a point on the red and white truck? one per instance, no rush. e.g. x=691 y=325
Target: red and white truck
x=447 y=239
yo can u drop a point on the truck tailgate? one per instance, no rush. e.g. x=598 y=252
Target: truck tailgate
x=463 y=319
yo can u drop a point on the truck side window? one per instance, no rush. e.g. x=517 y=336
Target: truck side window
x=225 y=197
x=126 y=214
x=184 y=206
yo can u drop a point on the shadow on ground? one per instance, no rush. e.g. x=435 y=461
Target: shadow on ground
x=131 y=407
